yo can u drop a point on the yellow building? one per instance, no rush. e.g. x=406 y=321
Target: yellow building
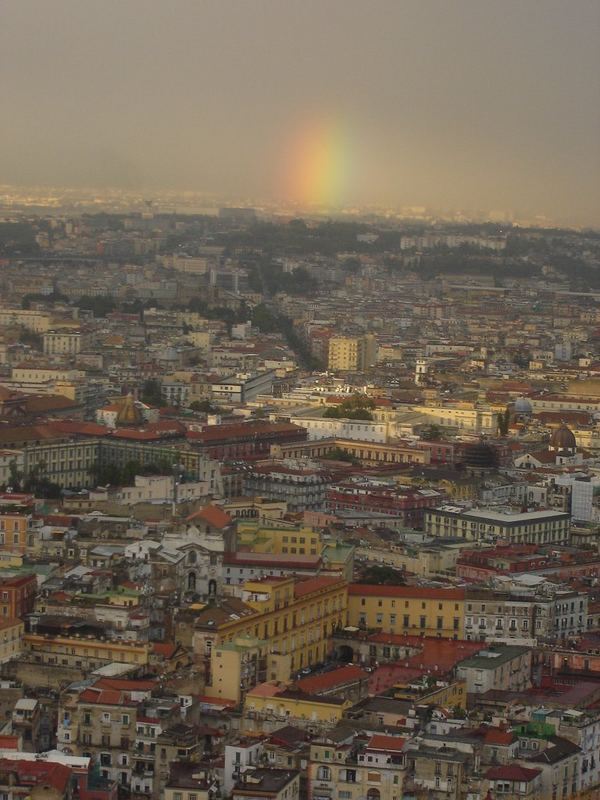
x=16 y=532
x=260 y=509
x=373 y=769
x=295 y=618
x=11 y=639
x=278 y=540
x=10 y=560
x=448 y=696
x=352 y=353
x=65 y=342
x=269 y=706
x=83 y=652
x=242 y=664
x=407 y=609
x=35 y=321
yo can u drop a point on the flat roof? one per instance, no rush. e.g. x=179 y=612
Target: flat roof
x=493 y=657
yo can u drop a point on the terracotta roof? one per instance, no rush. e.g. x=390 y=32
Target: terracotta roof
x=104 y=697
x=28 y=433
x=34 y=773
x=122 y=684
x=226 y=432
x=498 y=736
x=512 y=772
x=9 y=742
x=165 y=649
x=386 y=743
x=214 y=515
x=81 y=428
x=273 y=560
x=376 y=590
x=330 y=680
x=315 y=584
x=36 y=404
x=217 y=701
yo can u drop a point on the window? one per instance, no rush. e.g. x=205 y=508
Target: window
x=125 y=719
x=323 y=774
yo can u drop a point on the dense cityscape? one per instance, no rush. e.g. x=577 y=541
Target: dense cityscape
x=299 y=400
x=298 y=507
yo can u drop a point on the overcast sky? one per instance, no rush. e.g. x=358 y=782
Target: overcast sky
x=448 y=103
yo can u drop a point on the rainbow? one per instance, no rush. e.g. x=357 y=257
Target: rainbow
x=316 y=165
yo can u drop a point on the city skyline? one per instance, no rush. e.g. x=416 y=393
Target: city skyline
x=461 y=106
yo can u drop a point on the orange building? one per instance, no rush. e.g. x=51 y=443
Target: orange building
x=17 y=596
x=16 y=531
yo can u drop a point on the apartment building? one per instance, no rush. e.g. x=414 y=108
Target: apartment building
x=243 y=387
x=407 y=609
x=99 y=722
x=486 y=525
x=238 y=666
x=87 y=653
x=269 y=706
x=17 y=596
x=374 y=770
x=499 y=667
x=11 y=638
x=35 y=321
x=16 y=531
x=352 y=353
x=65 y=342
x=550 y=614
x=296 y=618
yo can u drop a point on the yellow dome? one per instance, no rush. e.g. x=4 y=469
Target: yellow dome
x=128 y=414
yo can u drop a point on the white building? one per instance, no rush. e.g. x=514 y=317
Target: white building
x=243 y=387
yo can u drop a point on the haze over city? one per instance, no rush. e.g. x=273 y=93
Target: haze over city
x=461 y=105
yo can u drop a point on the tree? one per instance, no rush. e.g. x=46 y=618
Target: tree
x=100 y=306
x=504 y=422
x=355 y=407
x=337 y=454
x=31 y=339
x=382 y=575
x=152 y=393
x=432 y=433
x=15 y=476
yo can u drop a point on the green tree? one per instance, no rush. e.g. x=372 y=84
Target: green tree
x=504 y=422
x=383 y=576
x=432 y=433
x=100 y=306
x=152 y=393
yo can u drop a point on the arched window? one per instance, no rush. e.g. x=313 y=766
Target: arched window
x=192 y=582
x=373 y=794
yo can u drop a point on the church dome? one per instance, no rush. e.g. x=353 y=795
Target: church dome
x=563 y=439
x=523 y=406
x=128 y=413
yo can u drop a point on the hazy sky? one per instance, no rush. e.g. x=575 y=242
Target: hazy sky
x=492 y=104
